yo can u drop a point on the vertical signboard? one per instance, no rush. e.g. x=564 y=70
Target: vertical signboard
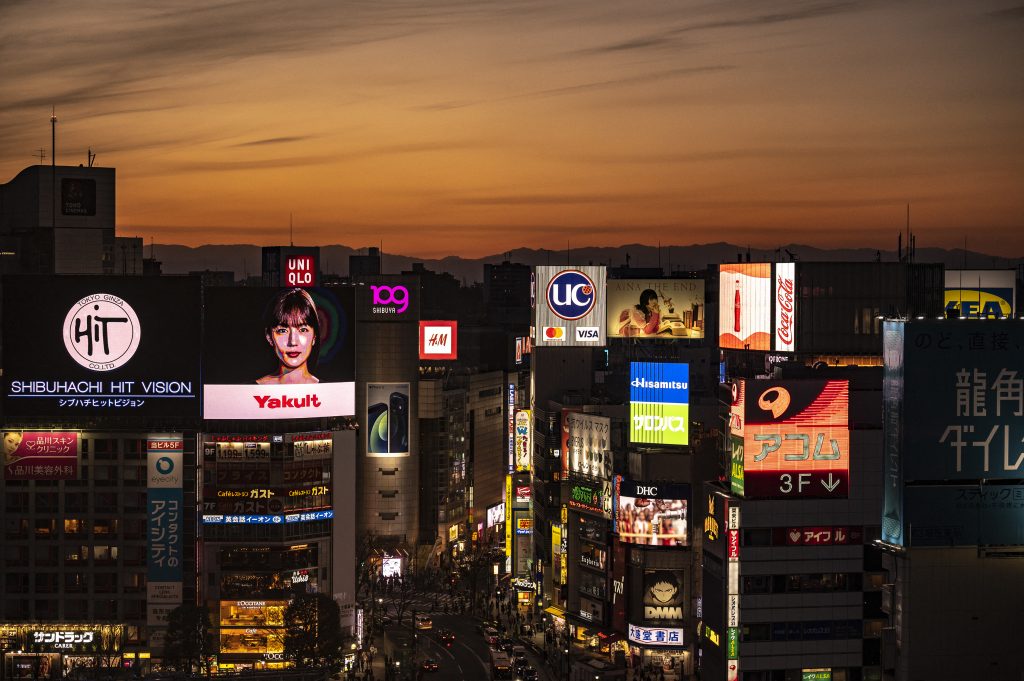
x=745 y=306
x=659 y=403
x=785 y=307
x=733 y=584
x=892 y=431
x=589 y=450
x=796 y=439
x=509 y=499
x=523 y=439
x=511 y=415
x=165 y=504
x=962 y=424
x=981 y=294
x=736 y=418
x=570 y=310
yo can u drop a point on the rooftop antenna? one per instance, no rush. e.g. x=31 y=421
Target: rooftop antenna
x=53 y=167
x=291 y=231
x=908 y=232
x=91 y=157
x=152 y=249
x=568 y=257
x=41 y=154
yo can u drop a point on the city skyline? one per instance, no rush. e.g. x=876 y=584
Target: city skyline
x=475 y=128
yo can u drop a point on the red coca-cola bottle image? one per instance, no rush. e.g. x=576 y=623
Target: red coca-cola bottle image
x=736 y=309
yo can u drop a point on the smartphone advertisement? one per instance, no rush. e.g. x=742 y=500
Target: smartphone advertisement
x=387 y=419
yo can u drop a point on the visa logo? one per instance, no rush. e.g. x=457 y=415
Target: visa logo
x=587 y=333
x=554 y=333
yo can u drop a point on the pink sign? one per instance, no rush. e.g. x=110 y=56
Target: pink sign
x=40 y=455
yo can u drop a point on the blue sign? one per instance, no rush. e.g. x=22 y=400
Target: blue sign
x=892 y=424
x=571 y=295
x=271 y=519
x=166 y=522
x=659 y=403
x=963 y=400
x=962 y=515
x=662 y=382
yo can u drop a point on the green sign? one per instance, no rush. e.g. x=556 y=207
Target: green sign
x=816 y=675
x=582 y=496
x=732 y=646
x=736 y=452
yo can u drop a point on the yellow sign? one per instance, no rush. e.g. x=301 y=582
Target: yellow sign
x=508 y=515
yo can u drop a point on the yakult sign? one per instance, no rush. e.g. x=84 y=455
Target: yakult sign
x=785 y=307
x=571 y=310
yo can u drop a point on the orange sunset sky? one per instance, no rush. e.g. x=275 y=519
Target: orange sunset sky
x=471 y=127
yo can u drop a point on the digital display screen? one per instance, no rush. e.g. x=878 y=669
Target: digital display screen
x=656 y=308
x=278 y=353
x=387 y=419
x=796 y=439
x=89 y=346
x=745 y=306
x=659 y=403
x=652 y=513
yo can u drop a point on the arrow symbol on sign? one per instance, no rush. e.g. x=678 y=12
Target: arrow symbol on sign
x=831 y=484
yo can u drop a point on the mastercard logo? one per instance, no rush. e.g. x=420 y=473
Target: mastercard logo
x=554 y=333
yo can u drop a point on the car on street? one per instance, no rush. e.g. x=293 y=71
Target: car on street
x=424 y=622
x=491 y=636
x=506 y=644
x=527 y=674
x=447 y=637
x=430 y=665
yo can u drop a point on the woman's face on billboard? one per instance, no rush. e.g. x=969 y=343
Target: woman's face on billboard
x=292 y=343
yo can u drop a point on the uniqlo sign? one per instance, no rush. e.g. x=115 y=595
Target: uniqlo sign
x=299 y=270
x=439 y=340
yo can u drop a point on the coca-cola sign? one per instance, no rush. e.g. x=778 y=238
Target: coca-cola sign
x=785 y=307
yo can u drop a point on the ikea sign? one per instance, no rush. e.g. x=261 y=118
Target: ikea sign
x=659 y=403
x=980 y=294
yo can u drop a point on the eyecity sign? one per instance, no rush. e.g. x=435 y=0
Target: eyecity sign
x=659 y=403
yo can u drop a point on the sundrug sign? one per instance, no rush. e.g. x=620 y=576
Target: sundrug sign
x=659 y=403
x=570 y=309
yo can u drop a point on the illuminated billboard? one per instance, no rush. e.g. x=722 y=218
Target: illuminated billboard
x=570 y=307
x=659 y=403
x=785 y=307
x=953 y=404
x=981 y=294
x=523 y=439
x=278 y=353
x=655 y=308
x=46 y=455
x=796 y=439
x=439 y=340
x=653 y=513
x=664 y=595
x=87 y=347
x=745 y=306
x=387 y=419
x=589 y=449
